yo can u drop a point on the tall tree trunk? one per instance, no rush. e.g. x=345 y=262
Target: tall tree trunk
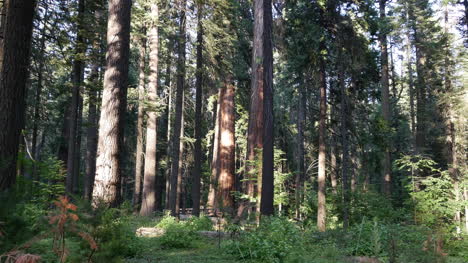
x=139 y=162
x=385 y=98
x=178 y=109
x=321 y=212
x=212 y=202
x=345 y=149
x=91 y=140
x=196 y=191
x=169 y=114
x=108 y=165
x=13 y=79
x=411 y=85
x=420 y=83
x=255 y=126
x=267 y=194
x=77 y=78
x=92 y=130
x=226 y=152
x=37 y=99
x=148 y=204
x=300 y=148
x=3 y=15
x=180 y=172
x=76 y=165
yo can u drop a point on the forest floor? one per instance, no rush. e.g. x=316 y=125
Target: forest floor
x=204 y=250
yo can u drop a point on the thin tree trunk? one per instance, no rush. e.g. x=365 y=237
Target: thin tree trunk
x=267 y=193
x=196 y=191
x=179 y=108
x=108 y=165
x=212 y=203
x=300 y=148
x=169 y=111
x=92 y=130
x=13 y=79
x=76 y=165
x=321 y=212
x=91 y=143
x=37 y=99
x=345 y=149
x=148 y=204
x=411 y=86
x=77 y=78
x=180 y=171
x=385 y=99
x=139 y=162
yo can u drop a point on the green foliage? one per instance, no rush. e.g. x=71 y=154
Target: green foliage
x=432 y=196
x=115 y=235
x=273 y=241
x=182 y=234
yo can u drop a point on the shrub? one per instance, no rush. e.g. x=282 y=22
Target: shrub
x=182 y=234
x=114 y=235
x=273 y=241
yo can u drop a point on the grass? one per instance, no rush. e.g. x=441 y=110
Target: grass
x=204 y=250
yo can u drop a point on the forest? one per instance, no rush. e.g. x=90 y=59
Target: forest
x=323 y=131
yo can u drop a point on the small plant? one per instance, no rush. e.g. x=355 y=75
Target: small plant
x=63 y=220
x=273 y=241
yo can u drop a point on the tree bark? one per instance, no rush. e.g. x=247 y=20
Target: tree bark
x=267 y=193
x=13 y=79
x=77 y=78
x=321 y=212
x=226 y=152
x=255 y=126
x=178 y=109
x=196 y=191
x=300 y=149
x=108 y=165
x=91 y=143
x=179 y=188
x=345 y=149
x=139 y=162
x=212 y=203
x=37 y=99
x=148 y=204
x=384 y=85
x=92 y=130
x=169 y=111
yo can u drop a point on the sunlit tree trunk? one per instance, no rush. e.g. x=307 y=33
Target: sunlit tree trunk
x=13 y=79
x=178 y=110
x=148 y=202
x=226 y=152
x=212 y=204
x=267 y=193
x=108 y=165
x=321 y=212
x=139 y=162
x=196 y=191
